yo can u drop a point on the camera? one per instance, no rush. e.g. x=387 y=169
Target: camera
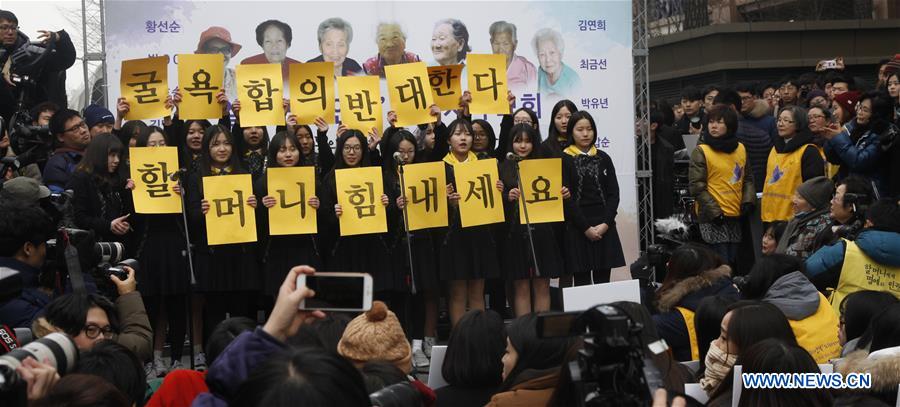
x=401 y=394
x=611 y=369
x=119 y=269
x=77 y=248
x=30 y=143
x=55 y=349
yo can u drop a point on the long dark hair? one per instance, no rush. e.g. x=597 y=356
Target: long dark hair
x=519 y=132
x=885 y=329
x=576 y=117
x=534 y=352
x=281 y=139
x=306 y=159
x=206 y=159
x=858 y=309
x=766 y=271
x=394 y=144
x=777 y=356
x=552 y=133
x=707 y=323
x=144 y=136
x=880 y=119
x=475 y=349
x=96 y=159
x=488 y=132
x=243 y=147
x=182 y=141
x=688 y=260
x=339 y=149
x=129 y=128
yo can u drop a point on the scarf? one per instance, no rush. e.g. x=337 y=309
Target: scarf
x=574 y=151
x=718 y=364
x=451 y=159
x=220 y=171
x=725 y=144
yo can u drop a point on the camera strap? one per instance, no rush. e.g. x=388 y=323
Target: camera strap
x=74 y=267
x=8 y=340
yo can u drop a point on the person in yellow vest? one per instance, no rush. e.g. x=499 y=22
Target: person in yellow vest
x=793 y=159
x=694 y=273
x=871 y=261
x=721 y=183
x=777 y=280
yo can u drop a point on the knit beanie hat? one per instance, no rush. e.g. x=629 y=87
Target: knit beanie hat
x=848 y=100
x=893 y=65
x=817 y=191
x=376 y=335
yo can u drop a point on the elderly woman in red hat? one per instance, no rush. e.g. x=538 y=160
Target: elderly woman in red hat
x=217 y=40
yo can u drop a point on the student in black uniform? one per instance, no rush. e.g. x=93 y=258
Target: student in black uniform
x=187 y=135
x=557 y=133
x=483 y=139
x=517 y=260
x=468 y=255
x=281 y=253
x=314 y=151
x=252 y=143
x=592 y=245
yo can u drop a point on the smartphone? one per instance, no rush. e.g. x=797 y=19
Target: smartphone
x=337 y=291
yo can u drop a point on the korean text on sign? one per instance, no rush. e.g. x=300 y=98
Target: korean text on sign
x=200 y=77
x=230 y=219
x=410 y=93
x=446 y=85
x=259 y=91
x=480 y=201
x=487 y=83
x=541 y=190
x=312 y=91
x=292 y=187
x=151 y=170
x=426 y=195
x=144 y=85
x=361 y=107
x=359 y=192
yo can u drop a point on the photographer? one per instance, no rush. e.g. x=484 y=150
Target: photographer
x=24 y=230
x=72 y=138
x=49 y=76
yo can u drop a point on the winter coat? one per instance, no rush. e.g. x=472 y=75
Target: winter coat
x=534 y=388
x=809 y=313
x=687 y=294
x=708 y=208
x=862 y=157
x=20 y=312
x=881 y=246
x=233 y=366
x=883 y=365
x=51 y=84
x=59 y=169
x=801 y=231
x=757 y=132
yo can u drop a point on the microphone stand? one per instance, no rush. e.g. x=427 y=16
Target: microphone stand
x=537 y=270
x=192 y=279
x=412 y=278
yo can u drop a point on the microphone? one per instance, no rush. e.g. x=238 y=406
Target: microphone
x=178 y=174
x=513 y=157
x=398 y=158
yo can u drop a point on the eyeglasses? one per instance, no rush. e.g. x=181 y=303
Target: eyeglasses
x=523 y=121
x=93 y=331
x=785 y=121
x=355 y=149
x=861 y=109
x=80 y=125
x=815 y=116
x=8 y=27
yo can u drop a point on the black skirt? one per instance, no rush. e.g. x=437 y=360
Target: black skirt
x=162 y=255
x=583 y=255
x=468 y=253
x=367 y=254
x=283 y=253
x=517 y=261
x=424 y=260
x=227 y=268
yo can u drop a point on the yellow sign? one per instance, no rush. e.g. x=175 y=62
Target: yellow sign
x=144 y=84
x=446 y=85
x=359 y=192
x=200 y=77
x=541 y=190
x=151 y=170
x=259 y=91
x=479 y=200
x=312 y=91
x=230 y=219
x=487 y=83
x=426 y=195
x=411 y=96
x=292 y=187
x=361 y=102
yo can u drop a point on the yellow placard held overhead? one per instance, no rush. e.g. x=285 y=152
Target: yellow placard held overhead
x=446 y=85
x=259 y=91
x=144 y=84
x=359 y=192
x=151 y=170
x=361 y=102
x=410 y=92
x=426 y=195
x=479 y=200
x=312 y=91
x=487 y=83
x=200 y=78
x=541 y=190
x=291 y=187
x=230 y=219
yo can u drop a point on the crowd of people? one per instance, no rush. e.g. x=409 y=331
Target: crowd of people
x=794 y=260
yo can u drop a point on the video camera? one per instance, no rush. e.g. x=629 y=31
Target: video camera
x=77 y=249
x=611 y=369
x=30 y=143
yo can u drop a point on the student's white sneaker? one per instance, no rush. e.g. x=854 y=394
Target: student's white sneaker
x=200 y=361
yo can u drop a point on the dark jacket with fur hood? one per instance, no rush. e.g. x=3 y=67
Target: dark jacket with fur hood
x=883 y=365
x=688 y=293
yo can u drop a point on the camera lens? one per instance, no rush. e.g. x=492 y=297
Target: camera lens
x=56 y=349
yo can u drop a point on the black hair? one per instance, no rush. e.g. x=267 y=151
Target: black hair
x=691 y=93
x=285 y=30
x=788 y=80
x=857 y=185
x=378 y=374
x=747 y=87
x=776 y=356
x=467 y=126
x=688 y=260
x=204 y=124
x=305 y=159
x=144 y=136
x=224 y=333
x=534 y=117
x=461 y=34
x=20 y=223
x=728 y=96
x=206 y=160
x=307 y=375
x=324 y=333
x=69 y=312
x=666 y=114
x=825 y=112
x=281 y=139
x=339 y=149
x=534 y=352
x=754 y=321
x=858 y=309
x=118 y=366
x=728 y=115
x=518 y=131
x=882 y=114
x=708 y=89
x=47 y=106
x=58 y=121
x=656 y=116
x=9 y=16
x=766 y=271
x=95 y=160
x=552 y=133
x=885 y=328
x=573 y=121
x=489 y=132
x=130 y=127
x=82 y=390
x=393 y=145
x=474 y=351
x=884 y=215
x=708 y=321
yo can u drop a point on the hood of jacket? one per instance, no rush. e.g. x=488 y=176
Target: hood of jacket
x=801 y=139
x=881 y=246
x=884 y=365
x=794 y=295
x=760 y=109
x=690 y=291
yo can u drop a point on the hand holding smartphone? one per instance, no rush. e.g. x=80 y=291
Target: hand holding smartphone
x=337 y=291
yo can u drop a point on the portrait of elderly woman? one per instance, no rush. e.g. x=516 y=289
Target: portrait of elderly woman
x=521 y=74
x=275 y=38
x=217 y=40
x=335 y=35
x=554 y=77
x=449 y=42
x=391 y=41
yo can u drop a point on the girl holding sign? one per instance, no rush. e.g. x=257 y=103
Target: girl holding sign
x=468 y=255
x=518 y=264
x=281 y=253
x=593 y=246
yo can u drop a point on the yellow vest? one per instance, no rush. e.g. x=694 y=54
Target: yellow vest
x=688 y=316
x=860 y=272
x=818 y=333
x=725 y=177
x=783 y=176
